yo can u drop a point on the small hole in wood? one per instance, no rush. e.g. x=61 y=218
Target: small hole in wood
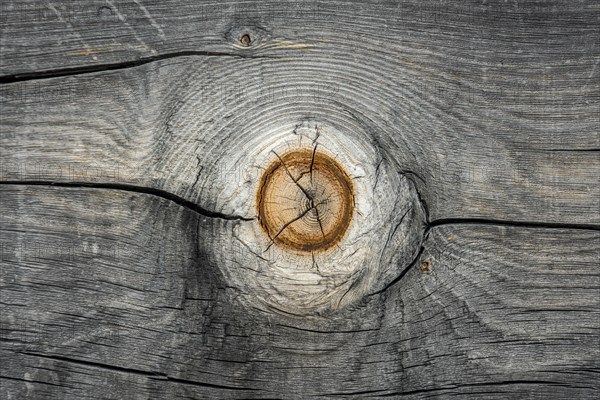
x=246 y=40
x=425 y=266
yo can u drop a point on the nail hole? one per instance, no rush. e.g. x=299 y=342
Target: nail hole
x=425 y=266
x=246 y=40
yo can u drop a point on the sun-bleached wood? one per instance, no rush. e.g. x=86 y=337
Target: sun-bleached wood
x=474 y=100
x=134 y=137
x=140 y=309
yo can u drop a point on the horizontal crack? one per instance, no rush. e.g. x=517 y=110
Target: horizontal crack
x=30 y=381
x=148 y=374
x=572 y=150
x=524 y=224
x=478 y=221
x=135 y=189
x=54 y=73
x=476 y=385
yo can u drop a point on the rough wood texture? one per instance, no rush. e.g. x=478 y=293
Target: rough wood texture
x=134 y=135
x=494 y=107
x=136 y=310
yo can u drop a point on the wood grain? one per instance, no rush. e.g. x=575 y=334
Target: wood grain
x=196 y=126
x=138 y=310
x=72 y=34
x=134 y=135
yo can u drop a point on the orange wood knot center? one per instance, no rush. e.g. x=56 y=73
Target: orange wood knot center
x=305 y=201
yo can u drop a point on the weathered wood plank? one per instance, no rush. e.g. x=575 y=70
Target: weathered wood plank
x=493 y=107
x=497 y=312
x=125 y=288
x=519 y=304
x=196 y=127
x=42 y=36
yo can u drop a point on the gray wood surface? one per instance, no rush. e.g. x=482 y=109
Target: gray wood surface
x=136 y=310
x=496 y=114
x=133 y=134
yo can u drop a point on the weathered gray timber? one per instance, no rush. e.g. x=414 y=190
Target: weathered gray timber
x=133 y=137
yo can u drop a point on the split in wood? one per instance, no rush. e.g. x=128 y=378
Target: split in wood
x=305 y=201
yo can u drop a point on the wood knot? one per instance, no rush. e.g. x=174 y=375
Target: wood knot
x=246 y=40
x=305 y=201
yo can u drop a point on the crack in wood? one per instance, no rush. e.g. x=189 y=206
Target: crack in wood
x=312 y=207
x=55 y=73
x=148 y=374
x=524 y=224
x=308 y=196
x=136 y=189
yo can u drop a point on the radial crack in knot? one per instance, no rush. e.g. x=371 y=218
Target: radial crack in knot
x=305 y=201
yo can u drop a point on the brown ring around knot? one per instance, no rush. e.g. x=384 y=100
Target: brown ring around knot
x=305 y=201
